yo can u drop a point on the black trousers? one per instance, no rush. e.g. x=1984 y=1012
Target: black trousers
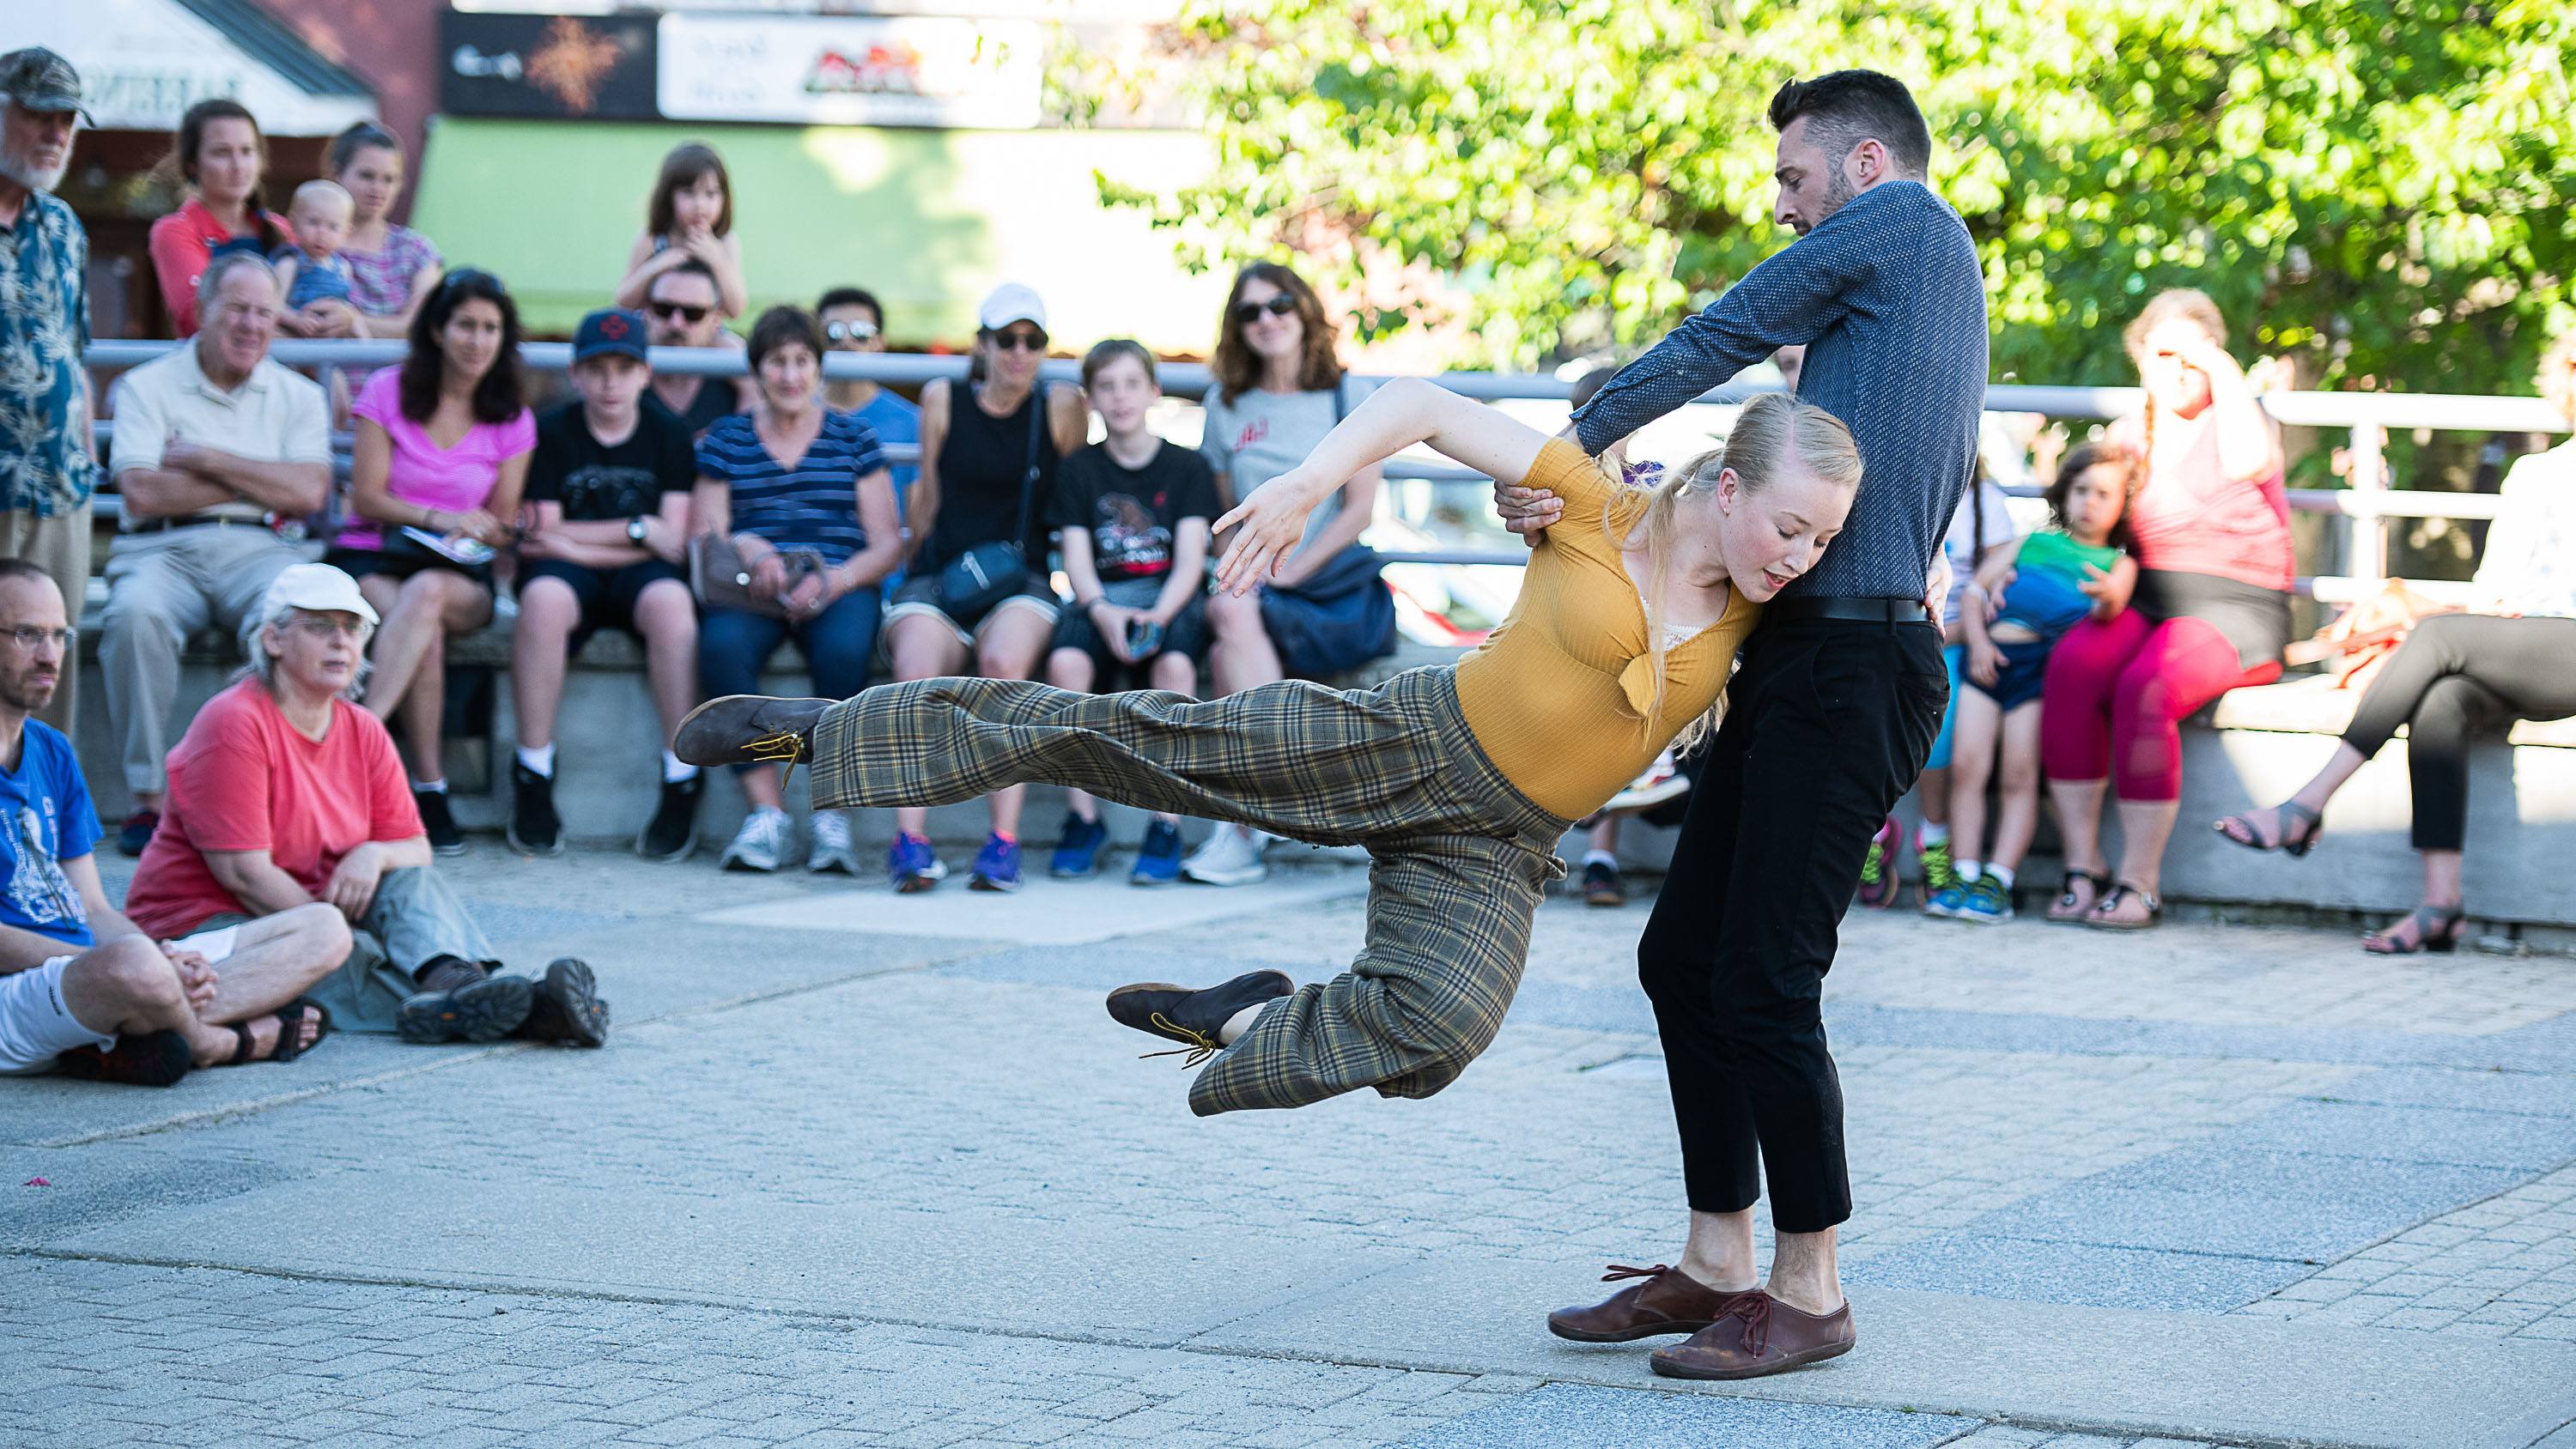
x=1828 y=722
x=2455 y=675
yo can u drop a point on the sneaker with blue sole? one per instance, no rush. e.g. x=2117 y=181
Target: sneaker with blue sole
x=1158 y=861
x=1078 y=848
x=997 y=866
x=1988 y=902
x=1946 y=903
x=912 y=865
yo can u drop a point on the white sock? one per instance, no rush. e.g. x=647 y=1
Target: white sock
x=1935 y=835
x=540 y=758
x=429 y=787
x=2001 y=873
x=1600 y=857
x=675 y=769
x=1967 y=869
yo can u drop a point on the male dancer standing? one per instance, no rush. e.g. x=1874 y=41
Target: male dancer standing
x=1834 y=709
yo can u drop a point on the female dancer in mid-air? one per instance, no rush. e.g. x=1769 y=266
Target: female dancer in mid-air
x=1459 y=779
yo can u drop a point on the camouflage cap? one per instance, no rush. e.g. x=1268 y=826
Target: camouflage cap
x=41 y=81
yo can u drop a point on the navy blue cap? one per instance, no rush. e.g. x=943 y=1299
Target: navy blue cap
x=610 y=329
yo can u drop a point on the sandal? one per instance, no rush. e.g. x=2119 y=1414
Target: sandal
x=2067 y=908
x=2287 y=816
x=2437 y=928
x=290 y=1032
x=2099 y=917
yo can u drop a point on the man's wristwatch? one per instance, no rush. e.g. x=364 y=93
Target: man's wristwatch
x=637 y=530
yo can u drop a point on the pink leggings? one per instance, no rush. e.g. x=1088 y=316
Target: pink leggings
x=2117 y=693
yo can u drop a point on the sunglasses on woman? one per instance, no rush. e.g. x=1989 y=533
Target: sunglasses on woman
x=1247 y=313
x=850 y=331
x=1018 y=341
x=680 y=311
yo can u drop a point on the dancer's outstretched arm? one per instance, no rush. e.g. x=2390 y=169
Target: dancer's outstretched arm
x=1405 y=411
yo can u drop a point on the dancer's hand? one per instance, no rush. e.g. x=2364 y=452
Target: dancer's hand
x=1267 y=527
x=1936 y=586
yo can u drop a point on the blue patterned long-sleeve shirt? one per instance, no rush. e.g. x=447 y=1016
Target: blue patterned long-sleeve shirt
x=45 y=465
x=1887 y=296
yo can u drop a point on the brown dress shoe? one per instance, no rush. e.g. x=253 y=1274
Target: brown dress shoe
x=1669 y=1301
x=749 y=729
x=1759 y=1335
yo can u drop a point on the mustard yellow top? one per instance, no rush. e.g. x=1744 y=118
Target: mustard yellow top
x=1558 y=694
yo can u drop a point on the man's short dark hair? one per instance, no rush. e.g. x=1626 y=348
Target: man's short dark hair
x=690 y=268
x=781 y=326
x=1846 y=107
x=18 y=568
x=851 y=297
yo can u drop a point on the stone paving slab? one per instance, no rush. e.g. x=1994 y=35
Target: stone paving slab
x=1984 y=1358
x=2038 y=1271
x=1568 y=1414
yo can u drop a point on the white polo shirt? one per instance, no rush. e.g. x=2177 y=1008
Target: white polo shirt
x=275 y=416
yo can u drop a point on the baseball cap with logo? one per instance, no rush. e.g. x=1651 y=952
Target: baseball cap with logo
x=42 y=81
x=610 y=329
x=321 y=589
x=1011 y=302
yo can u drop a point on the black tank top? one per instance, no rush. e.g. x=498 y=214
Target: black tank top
x=982 y=463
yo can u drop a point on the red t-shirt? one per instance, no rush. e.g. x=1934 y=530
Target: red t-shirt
x=181 y=244
x=245 y=779
x=2191 y=518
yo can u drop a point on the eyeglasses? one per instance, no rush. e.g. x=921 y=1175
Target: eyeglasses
x=29 y=638
x=1247 y=313
x=332 y=625
x=850 y=331
x=1019 y=341
x=682 y=311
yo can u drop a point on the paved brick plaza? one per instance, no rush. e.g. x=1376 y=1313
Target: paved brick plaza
x=865 y=1170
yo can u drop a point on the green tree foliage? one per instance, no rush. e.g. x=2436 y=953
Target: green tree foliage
x=2380 y=189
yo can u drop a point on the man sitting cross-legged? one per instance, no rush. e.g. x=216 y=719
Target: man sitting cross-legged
x=83 y=989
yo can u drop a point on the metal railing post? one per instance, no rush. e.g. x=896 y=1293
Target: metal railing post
x=2366 y=529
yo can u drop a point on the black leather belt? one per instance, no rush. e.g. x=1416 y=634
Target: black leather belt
x=1865 y=611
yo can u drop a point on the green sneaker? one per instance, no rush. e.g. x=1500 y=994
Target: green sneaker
x=1986 y=902
x=1878 y=882
x=1939 y=873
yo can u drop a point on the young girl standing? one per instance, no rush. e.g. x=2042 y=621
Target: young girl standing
x=2062 y=575
x=689 y=219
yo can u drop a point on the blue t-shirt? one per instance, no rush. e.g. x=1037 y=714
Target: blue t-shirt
x=2046 y=594
x=814 y=504
x=895 y=421
x=50 y=820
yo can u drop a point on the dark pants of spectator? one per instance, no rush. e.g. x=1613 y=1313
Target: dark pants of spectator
x=2118 y=692
x=2455 y=675
x=1827 y=723
x=414 y=919
x=838 y=644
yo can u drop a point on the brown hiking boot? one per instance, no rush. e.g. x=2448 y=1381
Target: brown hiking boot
x=750 y=729
x=1760 y=1335
x=1669 y=1301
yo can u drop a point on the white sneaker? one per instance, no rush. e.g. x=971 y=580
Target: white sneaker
x=757 y=846
x=831 y=848
x=1662 y=781
x=1231 y=857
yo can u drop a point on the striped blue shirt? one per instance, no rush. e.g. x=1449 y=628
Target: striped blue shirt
x=1889 y=299
x=813 y=505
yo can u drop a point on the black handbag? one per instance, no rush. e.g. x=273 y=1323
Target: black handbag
x=972 y=584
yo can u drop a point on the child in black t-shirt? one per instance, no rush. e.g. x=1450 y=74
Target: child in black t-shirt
x=1134 y=514
x=607 y=521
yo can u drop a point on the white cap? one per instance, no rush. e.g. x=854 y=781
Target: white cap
x=320 y=589
x=1011 y=302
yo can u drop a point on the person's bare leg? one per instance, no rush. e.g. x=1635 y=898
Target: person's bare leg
x=128 y=988
x=1243 y=656
x=2441 y=877
x=760 y=786
x=2264 y=822
x=409 y=636
x=1173 y=674
x=388 y=667
x=2079 y=829
x=920 y=647
x=548 y=613
x=2145 y=827
x=669 y=622
x=2017 y=767
x=1972 y=762
x=1803 y=1272
x=274 y=960
x=1071 y=669
x=1719 y=1251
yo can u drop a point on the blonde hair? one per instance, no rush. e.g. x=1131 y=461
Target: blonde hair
x=1773 y=433
x=2558 y=374
x=323 y=193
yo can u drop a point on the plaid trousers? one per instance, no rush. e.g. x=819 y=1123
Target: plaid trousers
x=1459 y=857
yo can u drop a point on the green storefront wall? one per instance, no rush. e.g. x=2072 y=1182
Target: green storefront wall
x=928 y=220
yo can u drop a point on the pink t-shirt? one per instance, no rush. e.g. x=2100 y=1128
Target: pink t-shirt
x=452 y=480
x=2191 y=518
x=243 y=778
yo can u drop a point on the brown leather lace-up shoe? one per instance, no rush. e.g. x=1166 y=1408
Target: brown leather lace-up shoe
x=749 y=729
x=1669 y=1301
x=1759 y=1335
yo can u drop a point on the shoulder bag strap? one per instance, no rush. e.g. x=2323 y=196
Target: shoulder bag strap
x=1029 y=477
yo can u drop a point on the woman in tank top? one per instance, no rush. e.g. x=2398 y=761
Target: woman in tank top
x=977 y=599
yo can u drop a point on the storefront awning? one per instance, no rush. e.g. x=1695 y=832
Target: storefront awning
x=144 y=62
x=928 y=220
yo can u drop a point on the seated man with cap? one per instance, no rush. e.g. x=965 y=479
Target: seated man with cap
x=218 y=447
x=608 y=521
x=83 y=989
x=284 y=793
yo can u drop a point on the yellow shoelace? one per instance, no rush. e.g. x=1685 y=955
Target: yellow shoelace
x=783 y=746
x=1201 y=1045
